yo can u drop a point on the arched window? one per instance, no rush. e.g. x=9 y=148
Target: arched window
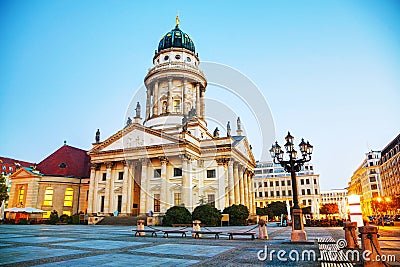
x=21 y=194
x=48 y=197
x=177 y=106
x=69 y=196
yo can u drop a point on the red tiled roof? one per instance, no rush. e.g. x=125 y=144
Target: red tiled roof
x=66 y=161
x=8 y=162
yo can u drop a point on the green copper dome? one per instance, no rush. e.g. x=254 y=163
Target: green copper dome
x=176 y=38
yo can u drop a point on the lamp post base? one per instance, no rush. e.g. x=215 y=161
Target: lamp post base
x=298 y=233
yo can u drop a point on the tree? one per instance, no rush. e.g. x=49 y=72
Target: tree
x=177 y=215
x=3 y=189
x=238 y=214
x=54 y=217
x=207 y=215
x=330 y=208
x=277 y=208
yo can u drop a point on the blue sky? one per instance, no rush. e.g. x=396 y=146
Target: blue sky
x=328 y=69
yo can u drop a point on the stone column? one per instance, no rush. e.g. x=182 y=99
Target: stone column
x=231 y=183
x=190 y=185
x=236 y=181
x=92 y=189
x=221 y=185
x=163 y=191
x=202 y=103
x=131 y=176
x=169 y=104
x=183 y=104
x=148 y=103
x=198 y=99
x=111 y=206
x=253 y=198
x=250 y=186
x=241 y=185
x=143 y=182
x=155 y=98
x=245 y=188
x=107 y=191
x=200 y=176
x=186 y=182
x=95 y=205
x=124 y=205
x=150 y=172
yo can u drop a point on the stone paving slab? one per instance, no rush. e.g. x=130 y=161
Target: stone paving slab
x=42 y=239
x=101 y=244
x=123 y=260
x=25 y=253
x=188 y=250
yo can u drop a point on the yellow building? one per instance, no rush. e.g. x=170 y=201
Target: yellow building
x=59 y=182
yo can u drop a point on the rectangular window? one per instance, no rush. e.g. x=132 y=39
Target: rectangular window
x=177 y=172
x=66 y=212
x=119 y=203
x=260 y=194
x=48 y=197
x=308 y=191
x=121 y=176
x=271 y=184
x=302 y=181
x=374 y=187
x=265 y=184
x=266 y=194
x=157 y=173
x=211 y=200
x=104 y=177
x=211 y=174
x=315 y=181
x=284 y=193
x=177 y=199
x=177 y=106
x=276 y=183
x=304 y=202
x=255 y=194
x=309 y=202
x=21 y=195
x=289 y=193
x=307 y=181
x=278 y=193
x=316 y=191
x=69 y=194
x=288 y=182
x=102 y=204
x=303 y=192
x=156 y=203
x=283 y=183
x=272 y=193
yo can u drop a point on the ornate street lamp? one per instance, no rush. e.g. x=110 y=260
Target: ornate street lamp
x=293 y=165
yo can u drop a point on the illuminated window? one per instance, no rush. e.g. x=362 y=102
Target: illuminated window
x=156 y=202
x=67 y=212
x=177 y=106
x=69 y=195
x=46 y=215
x=48 y=197
x=21 y=194
x=177 y=199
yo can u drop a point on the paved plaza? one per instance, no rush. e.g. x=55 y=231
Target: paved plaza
x=87 y=245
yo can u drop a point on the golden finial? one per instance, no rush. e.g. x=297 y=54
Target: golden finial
x=177 y=21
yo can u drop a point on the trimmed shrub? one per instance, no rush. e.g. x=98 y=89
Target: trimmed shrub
x=65 y=219
x=54 y=217
x=23 y=221
x=208 y=215
x=238 y=214
x=177 y=215
x=75 y=219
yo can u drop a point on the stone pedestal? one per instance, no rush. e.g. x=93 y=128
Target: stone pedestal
x=298 y=233
x=140 y=226
x=196 y=227
x=350 y=235
x=369 y=241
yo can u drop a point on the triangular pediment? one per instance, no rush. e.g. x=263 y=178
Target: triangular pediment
x=243 y=147
x=135 y=136
x=24 y=173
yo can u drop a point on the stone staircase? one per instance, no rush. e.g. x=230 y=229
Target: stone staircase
x=119 y=220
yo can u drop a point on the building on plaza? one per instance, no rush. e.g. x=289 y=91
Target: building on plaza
x=272 y=183
x=390 y=168
x=59 y=182
x=336 y=196
x=366 y=182
x=171 y=158
x=9 y=166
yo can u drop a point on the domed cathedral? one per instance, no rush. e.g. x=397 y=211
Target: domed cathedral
x=171 y=158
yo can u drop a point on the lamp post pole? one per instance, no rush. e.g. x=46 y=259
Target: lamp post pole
x=293 y=165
